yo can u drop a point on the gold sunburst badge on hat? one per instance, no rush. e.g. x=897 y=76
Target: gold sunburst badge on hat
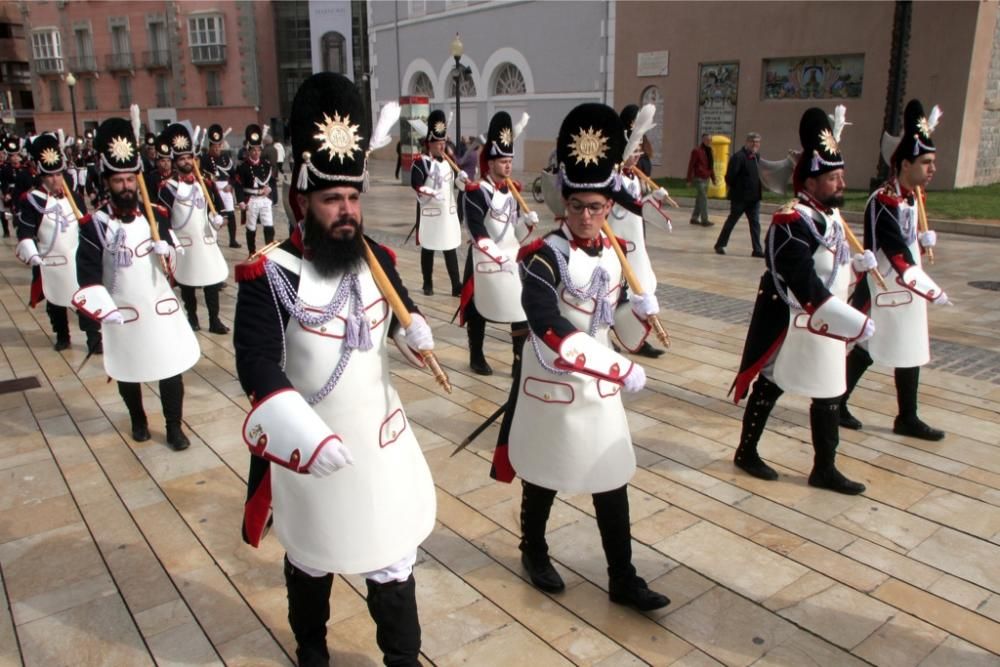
x=439 y=128
x=829 y=142
x=338 y=136
x=49 y=157
x=506 y=136
x=120 y=149
x=180 y=142
x=589 y=146
x=924 y=126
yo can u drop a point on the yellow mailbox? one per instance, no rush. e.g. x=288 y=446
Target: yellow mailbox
x=720 y=161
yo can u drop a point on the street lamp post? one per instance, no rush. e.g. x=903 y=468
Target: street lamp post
x=71 y=82
x=456 y=52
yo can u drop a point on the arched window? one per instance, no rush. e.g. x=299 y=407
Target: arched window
x=468 y=85
x=421 y=86
x=509 y=81
x=334 y=53
x=653 y=96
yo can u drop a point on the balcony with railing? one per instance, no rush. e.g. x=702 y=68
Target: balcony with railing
x=48 y=65
x=119 y=62
x=83 y=64
x=208 y=54
x=156 y=59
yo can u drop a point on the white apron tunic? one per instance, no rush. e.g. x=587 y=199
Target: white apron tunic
x=570 y=432
x=807 y=363
x=901 y=338
x=202 y=262
x=58 y=236
x=440 y=228
x=371 y=514
x=629 y=226
x=497 y=293
x=155 y=341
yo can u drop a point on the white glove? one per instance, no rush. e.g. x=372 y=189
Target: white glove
x=334 y=456
x=36 y=260
x=418 y=334
x=635 y=380
x=659 y=194
x=867 y=333
x=532 y=218
x=461 y=180
x=864 y=261
x=942 y=298
x=644 y=305
x=216 y=220
x=161 y=247
x=114 y=317
x=928 y=239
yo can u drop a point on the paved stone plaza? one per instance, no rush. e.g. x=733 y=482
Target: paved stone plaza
x=118 y=553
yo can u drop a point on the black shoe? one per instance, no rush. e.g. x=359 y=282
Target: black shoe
x=218 y=327
x=720 y=250
x=480 y=367
x=96 y=348
x=176 y=438
x=757 y=253
x=234 y=244
x=648 y=350
x=194 y=325
x=542 y=574
x=708 y=223
x=62 y=343
x=428 y=290
x=847 y=420
x=140 y=432
x=833 y=480
x=695 y=222
x=634 y=592
x=754 y=466
x=913 y=427
x=456 y=290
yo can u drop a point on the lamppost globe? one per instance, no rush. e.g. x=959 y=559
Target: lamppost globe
x=70 y=80
x=456 y=48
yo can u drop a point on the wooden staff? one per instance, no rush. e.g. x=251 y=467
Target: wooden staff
x=922 y=223
x=653 y=185
x=69 y=196
x=451 y=162
x=633 y=284
x=204 y=189
x=856 y=246
x=402 y=314
x=517 y=195
x=154 y=229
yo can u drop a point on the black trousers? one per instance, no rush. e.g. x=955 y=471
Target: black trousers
x=171 y=399
x=736 y=210
x=191 y=302
x=59 y=319
x=450 y=262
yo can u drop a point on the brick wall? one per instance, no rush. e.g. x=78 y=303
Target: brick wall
x=988 y=161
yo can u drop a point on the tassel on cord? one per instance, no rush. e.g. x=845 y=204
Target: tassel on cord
x=387 y=119
x=302 y=184
x=520 y=125
x=643 y=124
x=122 y=255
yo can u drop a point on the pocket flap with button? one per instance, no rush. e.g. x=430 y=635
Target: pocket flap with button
x=548 y=391
x=392 y=428
x=893 y=299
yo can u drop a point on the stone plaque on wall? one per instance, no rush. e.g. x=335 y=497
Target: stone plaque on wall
x=654 y=63
x=718 y=84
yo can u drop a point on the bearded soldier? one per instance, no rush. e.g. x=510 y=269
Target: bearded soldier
x=900 y=313
x=333 y=454
x=48 y=235
x=219 y=164
x=497 y=227
x=437 y=186
x=801 y=322
x=256 y=189
x=201 y=263
x=124 y=284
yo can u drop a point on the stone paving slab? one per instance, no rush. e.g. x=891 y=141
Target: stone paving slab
x=122 y=553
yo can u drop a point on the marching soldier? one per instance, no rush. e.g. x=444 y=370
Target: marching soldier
x=164 y=168
x=122 y=266
x=16 y=178
x=497 y=227
x=219 y=164
x=333 y=456
x=195 y=228
x=801 y=322
x=569 y=431
x=437 y=186
x=256 y=189
x=48 y=235
x=149 y=153
x=892 y=232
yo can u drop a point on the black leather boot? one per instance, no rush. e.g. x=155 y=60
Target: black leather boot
x=190 y=306
x=427 y=270
x=308 y=613
x=393 y=607
x=824 y=419
x=907 y=422
x=536 y=503
x=858 y=362
x=476 y=327
x=451 y=263
x=231 y=226
x=131 y=393
x=268 y=235
x=762 y=399
x=172 y=400
x=251 y=241
x=215 y=325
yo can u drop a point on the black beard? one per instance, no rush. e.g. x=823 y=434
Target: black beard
x=186 y=169
x=124 y=200
x=833 y=201
x=333 y=256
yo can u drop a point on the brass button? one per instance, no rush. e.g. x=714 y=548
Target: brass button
x=547 y=397
x=322 y=329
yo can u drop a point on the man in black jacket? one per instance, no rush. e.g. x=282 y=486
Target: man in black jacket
x=743 y=184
